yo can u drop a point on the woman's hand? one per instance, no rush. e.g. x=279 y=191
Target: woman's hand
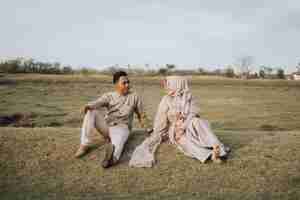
x=179 y=129
x=179 y=133
x=179 y=116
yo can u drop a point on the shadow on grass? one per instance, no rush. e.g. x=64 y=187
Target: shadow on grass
x=236 y=143
x=31 y=120
x=135 y=139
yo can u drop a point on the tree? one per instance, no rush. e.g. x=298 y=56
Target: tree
x=28 y=65
x=67 y=70
x=13 y=66
x=201 y=70
x=54 y=68
x=298 y=67
x=229 y=72
x=170 y=67
x=280 y=73
x=23 y=65
x=255 y=75
x=163 y=71
x=244 y=64
x=44 y=67
x=268 y=70
x=262 y=73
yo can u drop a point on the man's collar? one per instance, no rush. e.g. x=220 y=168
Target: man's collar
x=121 y=95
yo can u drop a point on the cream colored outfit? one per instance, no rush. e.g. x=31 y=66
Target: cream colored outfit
x=116 y=122
x=177 y=118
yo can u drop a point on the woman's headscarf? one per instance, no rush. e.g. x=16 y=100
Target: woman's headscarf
x=177 y=86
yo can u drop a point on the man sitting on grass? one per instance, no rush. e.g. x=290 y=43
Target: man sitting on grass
x=116 y=124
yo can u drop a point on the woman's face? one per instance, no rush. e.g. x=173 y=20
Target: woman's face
x=122 y=86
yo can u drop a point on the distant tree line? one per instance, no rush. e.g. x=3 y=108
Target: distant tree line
x=20 y=65
x=240 y=70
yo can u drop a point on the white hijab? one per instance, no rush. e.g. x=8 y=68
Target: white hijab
x=177 y=86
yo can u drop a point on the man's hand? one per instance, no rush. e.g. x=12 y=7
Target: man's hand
x=87 y=108
x=142 y=124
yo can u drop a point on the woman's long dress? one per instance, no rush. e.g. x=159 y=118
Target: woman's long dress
x=196 y=142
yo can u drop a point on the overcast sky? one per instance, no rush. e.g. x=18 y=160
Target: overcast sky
x=195 y=32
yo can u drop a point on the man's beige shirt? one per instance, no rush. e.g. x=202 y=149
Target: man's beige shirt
x=120 y=108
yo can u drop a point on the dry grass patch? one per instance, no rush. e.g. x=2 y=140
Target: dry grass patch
x=38 y=163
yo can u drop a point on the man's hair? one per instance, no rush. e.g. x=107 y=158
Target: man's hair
x=117 y=76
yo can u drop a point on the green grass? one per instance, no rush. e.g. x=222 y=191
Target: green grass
x=38 y=163
x=227 y=103
x=258 y=119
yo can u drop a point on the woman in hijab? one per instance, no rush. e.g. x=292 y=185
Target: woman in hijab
x=177 y=119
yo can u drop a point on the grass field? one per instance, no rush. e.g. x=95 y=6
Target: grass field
x=40 y=118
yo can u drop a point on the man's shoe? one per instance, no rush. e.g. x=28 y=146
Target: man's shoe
x=109 y=156
x=82 y=150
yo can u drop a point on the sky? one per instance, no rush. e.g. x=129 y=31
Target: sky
x=208 y=33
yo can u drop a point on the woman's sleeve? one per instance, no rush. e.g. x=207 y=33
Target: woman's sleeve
x=161 y=122
x=194 y=110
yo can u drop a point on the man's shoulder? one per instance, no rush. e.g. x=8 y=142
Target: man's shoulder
x=114 y=94
x=133 y=94
x=108 y=94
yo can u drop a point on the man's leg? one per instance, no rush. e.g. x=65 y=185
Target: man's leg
x=101 y=125
x=118 y=135
x=93 y=119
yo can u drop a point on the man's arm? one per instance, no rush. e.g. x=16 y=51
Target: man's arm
x=100 y=102
x=141 y=114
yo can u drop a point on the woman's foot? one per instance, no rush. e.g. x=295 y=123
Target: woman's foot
x=216 y=154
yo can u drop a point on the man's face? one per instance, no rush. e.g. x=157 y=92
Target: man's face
x=122 y=85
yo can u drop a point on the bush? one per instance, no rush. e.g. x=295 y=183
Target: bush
x=21 y=65
x=280 y=74
x=163 y=71
x=67 y=70
x=11 y=66
x=229 y=72
x=262 y=73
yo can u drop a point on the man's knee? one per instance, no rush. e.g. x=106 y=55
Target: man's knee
x=91 y=113
x=119 y=140
x=118 y=135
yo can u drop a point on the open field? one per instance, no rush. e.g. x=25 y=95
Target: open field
x=40 y=118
